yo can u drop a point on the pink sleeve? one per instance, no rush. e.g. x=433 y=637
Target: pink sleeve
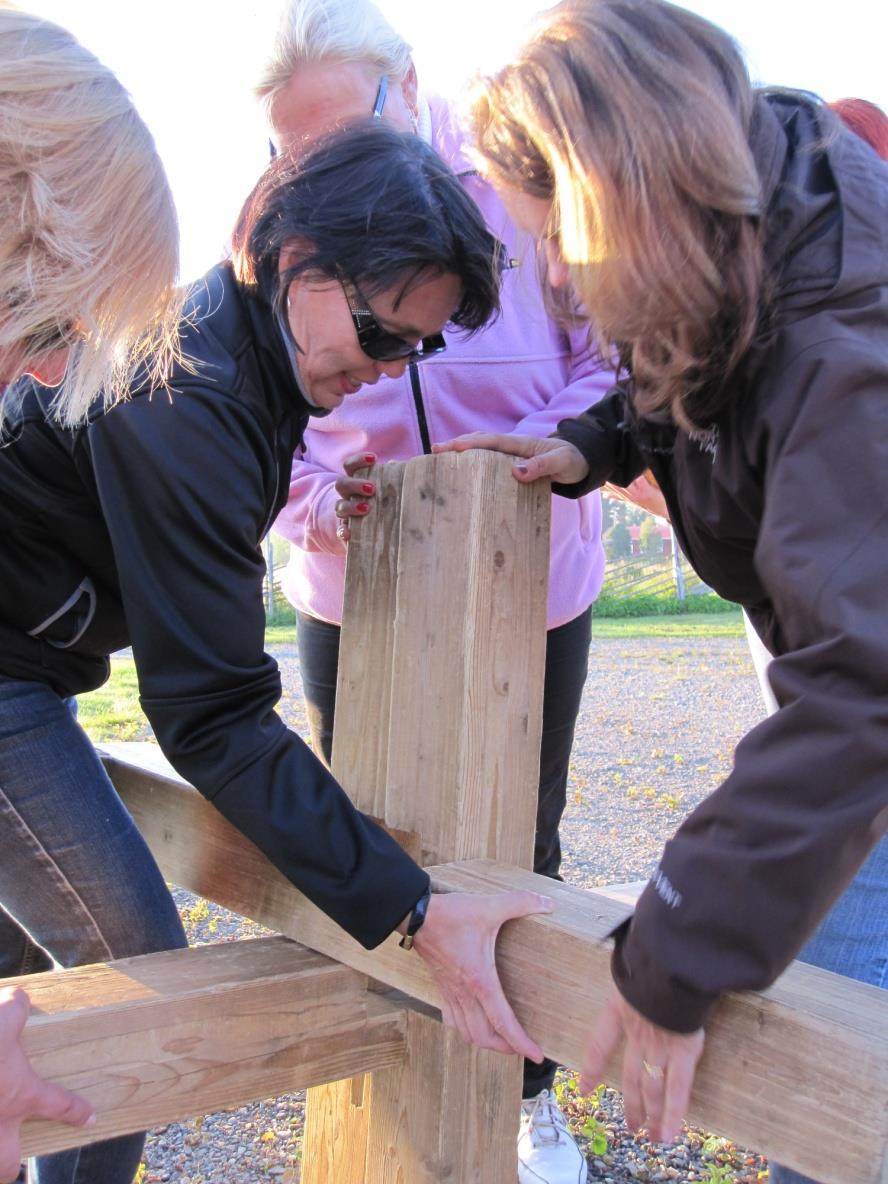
x=308 y=519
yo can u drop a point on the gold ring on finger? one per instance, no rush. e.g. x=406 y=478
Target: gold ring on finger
x=655 y=1072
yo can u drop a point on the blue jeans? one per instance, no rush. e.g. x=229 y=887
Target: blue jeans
x=853 y=941
x=77 y=882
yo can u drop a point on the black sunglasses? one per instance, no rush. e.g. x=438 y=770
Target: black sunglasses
x=382 y=346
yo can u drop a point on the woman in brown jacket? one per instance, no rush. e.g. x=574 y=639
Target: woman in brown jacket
x=734 y=244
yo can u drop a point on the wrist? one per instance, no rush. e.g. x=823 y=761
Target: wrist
x=414 y=920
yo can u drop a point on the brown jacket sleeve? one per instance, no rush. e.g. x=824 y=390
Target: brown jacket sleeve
x=754 y=869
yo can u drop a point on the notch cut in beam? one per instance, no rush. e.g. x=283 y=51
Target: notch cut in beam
x=762 y=1080
x=164 y=1037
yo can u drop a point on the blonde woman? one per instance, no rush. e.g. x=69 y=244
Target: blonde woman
x=734 y=244
x=88 y=234
x=88 y=261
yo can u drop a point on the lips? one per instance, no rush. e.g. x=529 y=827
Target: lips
x=349 y=386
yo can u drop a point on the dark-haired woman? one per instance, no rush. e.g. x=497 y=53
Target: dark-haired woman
x=734 y=244
x=143 y=527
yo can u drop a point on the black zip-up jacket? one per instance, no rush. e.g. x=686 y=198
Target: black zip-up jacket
x=143 y=528
x=782 y=505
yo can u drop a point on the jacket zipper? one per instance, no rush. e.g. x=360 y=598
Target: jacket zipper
x=416 y=388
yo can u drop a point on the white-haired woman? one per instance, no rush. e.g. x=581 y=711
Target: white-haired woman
x=88 y=262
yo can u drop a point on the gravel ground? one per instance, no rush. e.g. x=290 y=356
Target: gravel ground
x=656 y=733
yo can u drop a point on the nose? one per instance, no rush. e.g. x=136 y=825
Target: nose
x=50 y=370
x=393 y=369
x=557 y=271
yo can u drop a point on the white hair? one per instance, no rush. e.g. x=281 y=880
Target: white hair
x=332 y=31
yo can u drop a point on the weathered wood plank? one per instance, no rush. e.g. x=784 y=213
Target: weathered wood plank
x=456 y=644
x=162 y=1037
x=363 y=693
x=337 y=1115
x=468 y=667
x=777 y=1064
x=442 y=1114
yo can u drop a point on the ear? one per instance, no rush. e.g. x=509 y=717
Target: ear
x=410 y=90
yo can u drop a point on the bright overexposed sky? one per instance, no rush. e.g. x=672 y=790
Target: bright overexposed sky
x=190 y=65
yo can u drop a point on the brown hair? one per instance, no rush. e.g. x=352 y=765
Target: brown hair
x=88 y=231
x=632 y=117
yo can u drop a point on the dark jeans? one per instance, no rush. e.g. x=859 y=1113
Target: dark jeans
x=567 y=664
x=77 y=882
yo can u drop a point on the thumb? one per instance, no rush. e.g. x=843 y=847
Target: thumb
x=508 y=906
x=16 y=1009
x=56 y=1103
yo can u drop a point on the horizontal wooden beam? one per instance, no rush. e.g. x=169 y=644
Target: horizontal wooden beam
x=163 y=1037
x=777 y=1066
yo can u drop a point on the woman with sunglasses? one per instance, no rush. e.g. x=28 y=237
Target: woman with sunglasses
x=142 y=527
x=734 y=244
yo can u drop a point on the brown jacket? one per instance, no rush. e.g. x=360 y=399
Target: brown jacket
x=782 y=505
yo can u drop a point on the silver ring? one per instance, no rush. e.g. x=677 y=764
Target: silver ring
x=655 y=1072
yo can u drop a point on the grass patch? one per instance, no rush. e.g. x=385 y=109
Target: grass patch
x=725 y=624
x=280 y=634
x=113 y=712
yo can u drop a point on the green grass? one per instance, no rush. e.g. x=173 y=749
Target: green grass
x=113 y=712
x=278 y=635
x=727 y=624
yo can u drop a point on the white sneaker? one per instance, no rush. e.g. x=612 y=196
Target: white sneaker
x=547 y=1151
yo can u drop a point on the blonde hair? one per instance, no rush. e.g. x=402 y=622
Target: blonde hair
x=632 y=117
x=88 y=230
x=332 y=31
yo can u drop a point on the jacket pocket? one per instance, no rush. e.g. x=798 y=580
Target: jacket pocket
x=65 y=626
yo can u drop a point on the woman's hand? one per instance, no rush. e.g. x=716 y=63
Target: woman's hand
x=658 y=1067
x=457 y=942
x=643 y=492
x=546 y=457
x=354 y=493
x=22 y=1093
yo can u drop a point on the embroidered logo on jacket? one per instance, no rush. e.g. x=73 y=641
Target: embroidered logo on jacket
x=670 y=896
x=706 y=440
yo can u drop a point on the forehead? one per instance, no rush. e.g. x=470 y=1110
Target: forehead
x=320 y=97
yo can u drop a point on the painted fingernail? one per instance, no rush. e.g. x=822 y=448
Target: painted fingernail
x=368 y=488
x=369 y=458
x=521 y=468
x=362 y=507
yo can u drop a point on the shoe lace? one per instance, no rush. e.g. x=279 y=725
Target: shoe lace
x=545 y=1121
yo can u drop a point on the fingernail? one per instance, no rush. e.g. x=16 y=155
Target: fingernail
x=362 y=507
x=521 y=468
x=369 y=458
x=91 y=1121
x=368 y=488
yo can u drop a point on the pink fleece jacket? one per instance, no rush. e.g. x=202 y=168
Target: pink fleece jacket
x=520 y=375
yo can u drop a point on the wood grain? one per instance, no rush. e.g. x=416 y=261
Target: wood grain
x=163 y=1037
x=777 y=1064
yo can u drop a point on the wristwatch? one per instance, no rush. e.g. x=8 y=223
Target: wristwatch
x=417 y=917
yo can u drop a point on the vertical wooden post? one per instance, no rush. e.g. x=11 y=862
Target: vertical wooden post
x=439 y=714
